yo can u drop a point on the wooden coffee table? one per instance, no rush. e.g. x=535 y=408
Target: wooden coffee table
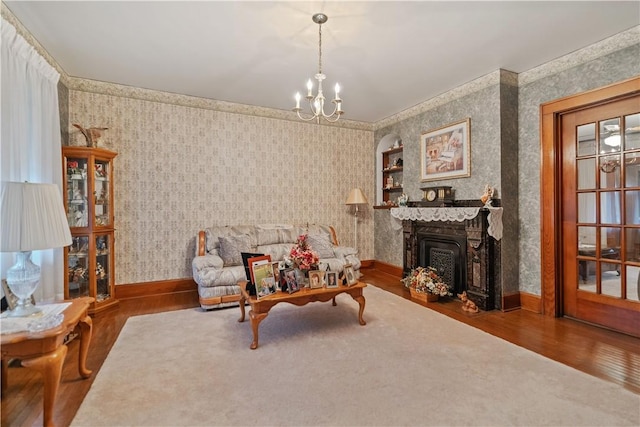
x=260 y=307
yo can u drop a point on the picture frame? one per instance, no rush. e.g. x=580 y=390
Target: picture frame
x=276 y=274
x=262 y=275
x=12 y=299
x=316 y=279
x=289 y=275
x=350 y=274
x=445 y=152
x=332 y=279
x=283 y=281
x=245 y=262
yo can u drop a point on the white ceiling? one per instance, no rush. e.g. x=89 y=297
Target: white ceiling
x=387 y=56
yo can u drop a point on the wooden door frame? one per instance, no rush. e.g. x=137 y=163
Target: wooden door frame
x=551 y=183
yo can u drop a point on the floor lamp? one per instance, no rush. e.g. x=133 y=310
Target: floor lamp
x=33 y=218
x=357 y=198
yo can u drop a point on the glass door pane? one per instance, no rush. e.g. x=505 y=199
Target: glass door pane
x=101 y=193
x=78 y=267
x=103 y=267
x=77 y=204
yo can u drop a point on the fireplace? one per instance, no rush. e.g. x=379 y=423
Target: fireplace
x=462 y=252
x=448 y=255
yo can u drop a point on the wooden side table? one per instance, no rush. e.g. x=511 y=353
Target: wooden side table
x=45 y=351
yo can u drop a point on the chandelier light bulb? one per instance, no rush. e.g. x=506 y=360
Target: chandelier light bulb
x=309 y=88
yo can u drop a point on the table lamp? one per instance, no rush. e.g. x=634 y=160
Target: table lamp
x=32 y=217
x=357 y=198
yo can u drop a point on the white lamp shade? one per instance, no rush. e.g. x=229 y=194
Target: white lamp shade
x=32 y=217
x=356 y=197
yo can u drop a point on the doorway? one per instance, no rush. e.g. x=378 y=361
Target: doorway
x=597 y=209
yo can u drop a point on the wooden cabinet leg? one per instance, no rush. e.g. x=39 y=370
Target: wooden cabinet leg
x=51 y=367
x=86 y=327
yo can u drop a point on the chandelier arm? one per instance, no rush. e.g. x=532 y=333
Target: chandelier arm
x=328 y=118
x=333 y=113
x=306 y=119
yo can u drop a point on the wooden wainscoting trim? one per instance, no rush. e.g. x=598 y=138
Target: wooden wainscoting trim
x=511 y=302
x=531 y=302
x=367 y=263
x=391 y=269
x=145 y=289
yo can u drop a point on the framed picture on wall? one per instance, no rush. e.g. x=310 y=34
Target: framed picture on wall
x=446 y=152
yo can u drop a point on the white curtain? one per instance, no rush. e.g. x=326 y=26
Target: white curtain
x=30 y=144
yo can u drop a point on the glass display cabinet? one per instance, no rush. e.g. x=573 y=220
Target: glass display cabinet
x=88 y=186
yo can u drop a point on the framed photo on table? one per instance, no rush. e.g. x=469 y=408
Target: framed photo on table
x=290 y=281
x=350 y=274
x=262 y=275
x=446 y=152
x=316 y=279
x=332 y=279
x=276 y=273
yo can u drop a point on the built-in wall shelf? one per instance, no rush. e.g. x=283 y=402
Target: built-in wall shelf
x=392 y=167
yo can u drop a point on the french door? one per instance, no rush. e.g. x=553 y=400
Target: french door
x=600 y=214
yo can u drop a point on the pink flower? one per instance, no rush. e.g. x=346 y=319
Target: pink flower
x=302 y=255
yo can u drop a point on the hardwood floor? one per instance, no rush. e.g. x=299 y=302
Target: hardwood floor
x=605 y=354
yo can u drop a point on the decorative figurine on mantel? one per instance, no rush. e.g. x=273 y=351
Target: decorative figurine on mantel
x=487 y=196
x=93 y=136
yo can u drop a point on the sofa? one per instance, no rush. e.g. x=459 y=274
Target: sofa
x=217 y=266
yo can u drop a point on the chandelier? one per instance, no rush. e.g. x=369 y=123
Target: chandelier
x=316 y=103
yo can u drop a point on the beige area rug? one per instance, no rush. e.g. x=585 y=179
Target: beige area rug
x=317 y=366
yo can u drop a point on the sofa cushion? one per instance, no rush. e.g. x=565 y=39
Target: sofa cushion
x=321 y=244
x=268 y=236
x=277 y=251
x=231 y=248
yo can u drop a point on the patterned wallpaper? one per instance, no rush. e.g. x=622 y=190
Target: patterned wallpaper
x=187 y=163
x=604 y=70
x=505 y=145
x=483 y=105
x=181 y=169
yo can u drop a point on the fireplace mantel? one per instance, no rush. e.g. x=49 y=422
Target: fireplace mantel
x=458 y=214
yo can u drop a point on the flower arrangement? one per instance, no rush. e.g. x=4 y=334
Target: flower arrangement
x=426 y=280
x=302 y=256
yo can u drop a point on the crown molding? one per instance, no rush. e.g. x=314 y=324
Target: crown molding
x=113 y=89
x=612 y=44
x=581 y=56
x=609 y=45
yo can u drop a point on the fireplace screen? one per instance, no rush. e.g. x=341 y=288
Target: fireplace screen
x=447 y=254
